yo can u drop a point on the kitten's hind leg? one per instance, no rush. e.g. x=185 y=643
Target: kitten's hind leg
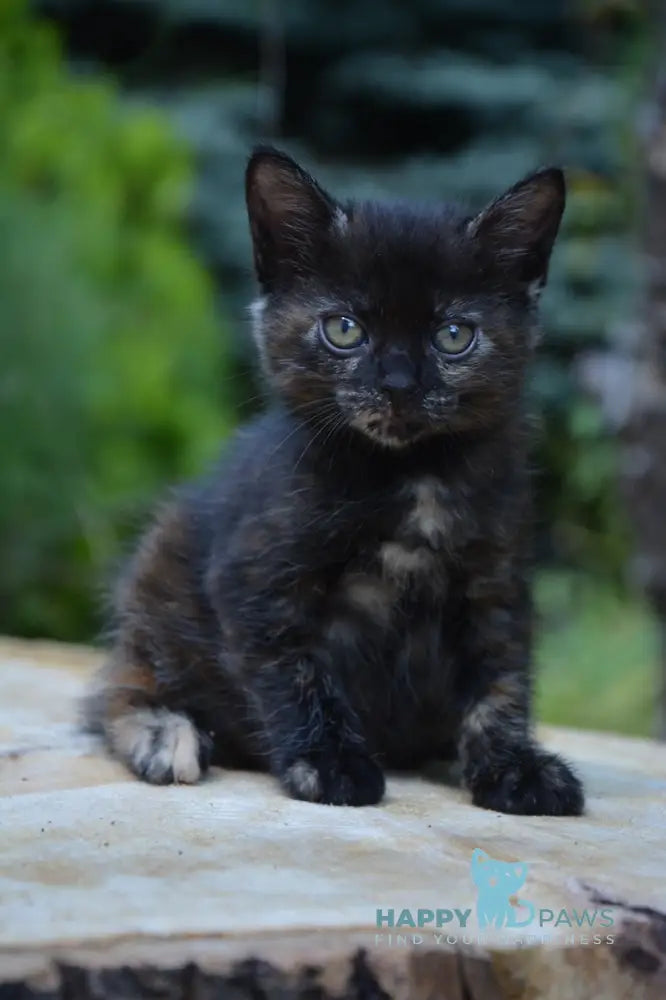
x=158 y=745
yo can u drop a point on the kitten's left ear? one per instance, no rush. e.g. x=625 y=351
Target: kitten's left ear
x=289 y=215
x=519 y=227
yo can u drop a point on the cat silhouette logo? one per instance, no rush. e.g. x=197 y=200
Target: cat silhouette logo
x=498 y=882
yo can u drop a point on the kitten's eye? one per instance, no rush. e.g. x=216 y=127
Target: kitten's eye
x=342 y=333
x=455 y=338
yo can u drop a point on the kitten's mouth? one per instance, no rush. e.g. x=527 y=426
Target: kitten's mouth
x=390 y=429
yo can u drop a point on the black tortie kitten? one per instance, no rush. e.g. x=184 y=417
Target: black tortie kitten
x=349 y=590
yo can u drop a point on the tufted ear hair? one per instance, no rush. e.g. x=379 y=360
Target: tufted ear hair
x=518 y=229
x=289 y=214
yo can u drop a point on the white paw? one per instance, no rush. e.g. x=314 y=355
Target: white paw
x=303 y=782
x=160 y=746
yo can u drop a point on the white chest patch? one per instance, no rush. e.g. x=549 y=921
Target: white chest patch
x=369 y=595
x=429 y=517
x=398 y=560
x=424 y=529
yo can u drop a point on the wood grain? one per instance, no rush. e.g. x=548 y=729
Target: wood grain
x=111 y=888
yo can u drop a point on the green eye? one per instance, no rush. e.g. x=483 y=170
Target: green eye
x=342 y=333
x=455 y=338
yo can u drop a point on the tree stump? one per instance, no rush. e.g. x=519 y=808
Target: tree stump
x=110 y=888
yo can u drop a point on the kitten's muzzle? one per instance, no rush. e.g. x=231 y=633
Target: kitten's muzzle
x=402 y=419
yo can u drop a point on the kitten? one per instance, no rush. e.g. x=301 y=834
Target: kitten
x=349 y=590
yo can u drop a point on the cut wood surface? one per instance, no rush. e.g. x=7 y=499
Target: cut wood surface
x=112 y=888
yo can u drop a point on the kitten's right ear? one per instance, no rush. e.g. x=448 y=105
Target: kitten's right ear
x=289 y=214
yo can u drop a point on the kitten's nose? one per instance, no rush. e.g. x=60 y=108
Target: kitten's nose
x=398 y=379
x=398 y=384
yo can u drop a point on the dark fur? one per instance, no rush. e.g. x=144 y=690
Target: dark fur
x=349 y=591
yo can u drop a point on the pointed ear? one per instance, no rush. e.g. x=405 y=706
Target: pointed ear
x=289 y=215
x=519 y=227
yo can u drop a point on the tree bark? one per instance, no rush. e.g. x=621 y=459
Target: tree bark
x=644 y=467
x=631 y=379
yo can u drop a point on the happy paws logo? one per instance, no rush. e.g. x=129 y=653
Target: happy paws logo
x=497 y=883
x=501 y=904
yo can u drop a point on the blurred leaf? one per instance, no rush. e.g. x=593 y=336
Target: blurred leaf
x=111 y=352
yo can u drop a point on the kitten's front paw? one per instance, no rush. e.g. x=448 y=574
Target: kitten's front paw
x=532 y=782
x=160 y=746
x=350 y=778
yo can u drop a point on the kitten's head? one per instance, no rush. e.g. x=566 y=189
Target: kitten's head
x=401 y=322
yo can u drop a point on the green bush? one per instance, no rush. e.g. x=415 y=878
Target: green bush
x=111 y=352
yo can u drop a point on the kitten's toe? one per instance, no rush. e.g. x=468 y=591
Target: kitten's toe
x=356 y=781
x=350 y=778
x=161 y=747
x=302 y=781
x=533 y=783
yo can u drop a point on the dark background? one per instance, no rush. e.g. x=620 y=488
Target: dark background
x=124 y=129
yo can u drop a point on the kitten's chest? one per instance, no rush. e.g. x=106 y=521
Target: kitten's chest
x=398 y=581
x=408 y=546
x=418 y=536
x=393 y=620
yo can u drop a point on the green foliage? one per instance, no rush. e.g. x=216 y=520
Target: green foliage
x=598 y=656
x=592 y=288
x=110 y=350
